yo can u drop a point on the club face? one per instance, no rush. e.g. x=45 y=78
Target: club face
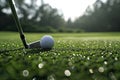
x=35 y=44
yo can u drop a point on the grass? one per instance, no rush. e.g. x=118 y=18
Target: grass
x=84 y=56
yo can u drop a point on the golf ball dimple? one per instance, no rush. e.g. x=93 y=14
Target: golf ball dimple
x=47 y=42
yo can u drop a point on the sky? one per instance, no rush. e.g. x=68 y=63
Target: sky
x=70 y=8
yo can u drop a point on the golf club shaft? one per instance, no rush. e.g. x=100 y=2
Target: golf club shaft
x=18 y=23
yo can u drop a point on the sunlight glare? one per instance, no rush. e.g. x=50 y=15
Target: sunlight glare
x=71 y=8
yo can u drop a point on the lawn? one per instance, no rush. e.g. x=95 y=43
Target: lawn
x=75 y=56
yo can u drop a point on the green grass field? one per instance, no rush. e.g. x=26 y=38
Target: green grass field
x=83 y=56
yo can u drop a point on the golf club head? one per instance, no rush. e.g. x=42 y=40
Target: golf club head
x=35 y=44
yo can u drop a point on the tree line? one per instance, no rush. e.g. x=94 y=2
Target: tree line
x=102 y=16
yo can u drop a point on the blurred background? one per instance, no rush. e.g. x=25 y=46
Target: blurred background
x=42 y=16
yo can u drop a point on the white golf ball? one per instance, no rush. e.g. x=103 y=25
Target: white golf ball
x=47 y=42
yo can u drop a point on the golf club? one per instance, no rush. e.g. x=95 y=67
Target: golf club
x=36 y=44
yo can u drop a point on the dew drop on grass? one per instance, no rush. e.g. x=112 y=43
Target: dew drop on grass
x=34 y=79
x=73 y=54
x=25 y=73
x=40 y=65
x=58 y=54
x=91 y=71
x=29 y=56
x=102 y=56
x=101 y=69
x=110 y=53
x=88 y=58
x=116 y=58
x=55 y=53
x=67 y=73
x=110 y=44
x=105 y=62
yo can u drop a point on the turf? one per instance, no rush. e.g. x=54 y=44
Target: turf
x=83 y=56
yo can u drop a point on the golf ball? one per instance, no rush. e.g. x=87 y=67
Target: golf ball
x=47 y=42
